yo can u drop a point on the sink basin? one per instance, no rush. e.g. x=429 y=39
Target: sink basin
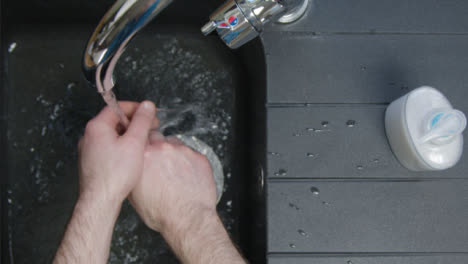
x=47 y=104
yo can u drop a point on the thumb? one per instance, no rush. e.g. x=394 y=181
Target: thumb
x=141 y=122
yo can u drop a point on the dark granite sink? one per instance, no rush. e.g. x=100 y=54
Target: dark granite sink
x=46 y=104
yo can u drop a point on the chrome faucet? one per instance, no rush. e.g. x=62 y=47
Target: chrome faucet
x=239 y=21
x=118 y=26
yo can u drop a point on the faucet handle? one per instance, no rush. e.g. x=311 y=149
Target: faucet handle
x=238 y=22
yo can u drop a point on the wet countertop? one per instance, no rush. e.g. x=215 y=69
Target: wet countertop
x=335 y=192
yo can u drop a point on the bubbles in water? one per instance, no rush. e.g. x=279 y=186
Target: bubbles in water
x=70 y=86
x=325 y=203
x=302 y=232
x=314 y=190
x=12 y=47
x=376 y=161
x=32 y=150
x=325 y=123
x=281 y=172
x=310 y=155
x=351 y=123
x=311 y=129
x=229 y=203
x=349 y=262
x=292 y=245
x=274 y=153
x=43 y=131
x=61 y=65
x=296 y=134
x=359 y=167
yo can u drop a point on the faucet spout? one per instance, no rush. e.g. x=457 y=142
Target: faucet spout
x=118 y=26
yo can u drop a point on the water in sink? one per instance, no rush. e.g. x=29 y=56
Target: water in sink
x=45 y=126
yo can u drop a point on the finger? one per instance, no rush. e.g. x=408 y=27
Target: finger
x=155 y=124
x=129 y=108
x=142 y=120
x=107 y=120
x=155 y=137
x=111 y=120
x=175 y=141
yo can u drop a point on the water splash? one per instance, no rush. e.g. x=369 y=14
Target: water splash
x=111 y=101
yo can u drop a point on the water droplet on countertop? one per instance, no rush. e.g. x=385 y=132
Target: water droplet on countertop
x=316 y=130
x=325 y=123
x=310 y=155
x=376 y=160
x=294 y=206
x=281 y=172
x=351 y=123
x=359 y=167
x=302 y=232
x=292 y=245
x=314 y=190
x=274 y=153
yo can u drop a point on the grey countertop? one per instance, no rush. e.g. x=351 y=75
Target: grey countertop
x=345 y=61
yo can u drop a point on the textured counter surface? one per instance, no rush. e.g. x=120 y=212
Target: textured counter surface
x=336 y=193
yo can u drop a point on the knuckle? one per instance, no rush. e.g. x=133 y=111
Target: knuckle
x=165 y=146
x=132 y=140
x=92 y=127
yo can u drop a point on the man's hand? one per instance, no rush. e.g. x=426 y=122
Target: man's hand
x=111 y=164
x=177 y=197
x=176 y=184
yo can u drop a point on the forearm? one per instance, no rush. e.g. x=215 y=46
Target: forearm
x=89 y=233
x=202 y=241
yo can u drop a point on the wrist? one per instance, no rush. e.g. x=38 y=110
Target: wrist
x=188 y=221
x=99 y=201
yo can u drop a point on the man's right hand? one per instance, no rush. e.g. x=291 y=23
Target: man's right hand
x=176 y=185
x=177 y=197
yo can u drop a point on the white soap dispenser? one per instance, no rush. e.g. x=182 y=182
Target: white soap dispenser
x=424 y=131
